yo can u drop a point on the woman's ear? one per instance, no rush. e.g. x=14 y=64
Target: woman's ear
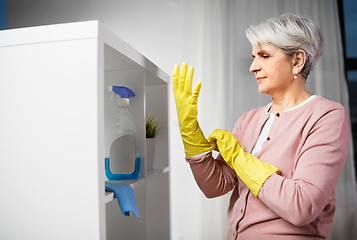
x=299 y=60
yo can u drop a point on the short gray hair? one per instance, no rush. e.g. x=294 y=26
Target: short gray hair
x=290 y=33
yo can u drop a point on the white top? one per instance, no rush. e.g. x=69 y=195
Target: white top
x=266 y=128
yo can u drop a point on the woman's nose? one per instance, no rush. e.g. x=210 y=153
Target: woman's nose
x=254 y=66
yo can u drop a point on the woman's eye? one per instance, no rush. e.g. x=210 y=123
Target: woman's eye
x=265 y=56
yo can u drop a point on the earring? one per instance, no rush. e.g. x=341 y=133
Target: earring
x=295 y=76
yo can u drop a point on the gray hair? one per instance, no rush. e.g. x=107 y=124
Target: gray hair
x=290 y=33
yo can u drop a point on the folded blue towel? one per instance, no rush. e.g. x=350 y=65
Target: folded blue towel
x=125 y=196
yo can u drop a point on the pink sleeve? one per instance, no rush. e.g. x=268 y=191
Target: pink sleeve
x=301 y=198
x=213 y=176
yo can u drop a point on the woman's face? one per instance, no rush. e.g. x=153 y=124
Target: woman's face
x=272 y=68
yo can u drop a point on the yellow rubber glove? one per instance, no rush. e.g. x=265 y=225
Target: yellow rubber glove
x=193 y=138
x=250 y=169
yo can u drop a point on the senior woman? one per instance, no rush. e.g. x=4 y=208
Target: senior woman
x=283 y=160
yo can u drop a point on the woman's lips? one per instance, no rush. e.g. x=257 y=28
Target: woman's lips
x=260 y=79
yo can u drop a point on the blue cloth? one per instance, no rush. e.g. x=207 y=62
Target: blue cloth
x=125 y=196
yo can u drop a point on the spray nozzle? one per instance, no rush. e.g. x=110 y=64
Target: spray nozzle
x=122 y=92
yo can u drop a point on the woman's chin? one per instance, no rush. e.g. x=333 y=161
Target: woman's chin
x=262 y=90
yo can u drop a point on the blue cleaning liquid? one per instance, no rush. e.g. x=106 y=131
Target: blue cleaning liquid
x=125 y=176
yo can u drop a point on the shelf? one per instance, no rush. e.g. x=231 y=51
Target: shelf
x=109 y=196
x=71 y=66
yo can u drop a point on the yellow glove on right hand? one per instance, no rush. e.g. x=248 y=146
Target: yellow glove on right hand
x=250 y=169
x=193 y=138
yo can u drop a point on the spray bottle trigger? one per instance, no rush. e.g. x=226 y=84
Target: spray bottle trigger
x=110 y=89
x=111 y=97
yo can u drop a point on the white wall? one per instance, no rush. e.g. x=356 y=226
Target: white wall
x=156 y=29
x=152 y=27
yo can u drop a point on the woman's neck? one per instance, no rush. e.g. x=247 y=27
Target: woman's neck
x=288 y=100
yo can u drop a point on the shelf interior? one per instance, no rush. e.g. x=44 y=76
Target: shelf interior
x=109 y=196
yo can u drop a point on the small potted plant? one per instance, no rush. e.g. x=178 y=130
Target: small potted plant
x=152 y=127
x=152 y=130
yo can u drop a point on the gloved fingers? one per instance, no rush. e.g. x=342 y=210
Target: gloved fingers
x=214 y=138
x=188 y=82
x=182 y=77
x=175 y=75
x=196 y=92
x=216 y=135
x=214 y=145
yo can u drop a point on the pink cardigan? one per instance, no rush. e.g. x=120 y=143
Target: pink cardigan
x=309 y=145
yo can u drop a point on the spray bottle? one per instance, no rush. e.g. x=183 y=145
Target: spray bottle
x=122 y=147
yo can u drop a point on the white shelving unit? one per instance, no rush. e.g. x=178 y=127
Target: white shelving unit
x=55 y=121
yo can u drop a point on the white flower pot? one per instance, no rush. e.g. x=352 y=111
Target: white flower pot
x=150 y=153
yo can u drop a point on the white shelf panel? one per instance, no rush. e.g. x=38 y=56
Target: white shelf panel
x=49 y=33
x=109 y=196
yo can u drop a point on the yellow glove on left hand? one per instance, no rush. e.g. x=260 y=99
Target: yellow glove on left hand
x=186 y=105
x=250 y=169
